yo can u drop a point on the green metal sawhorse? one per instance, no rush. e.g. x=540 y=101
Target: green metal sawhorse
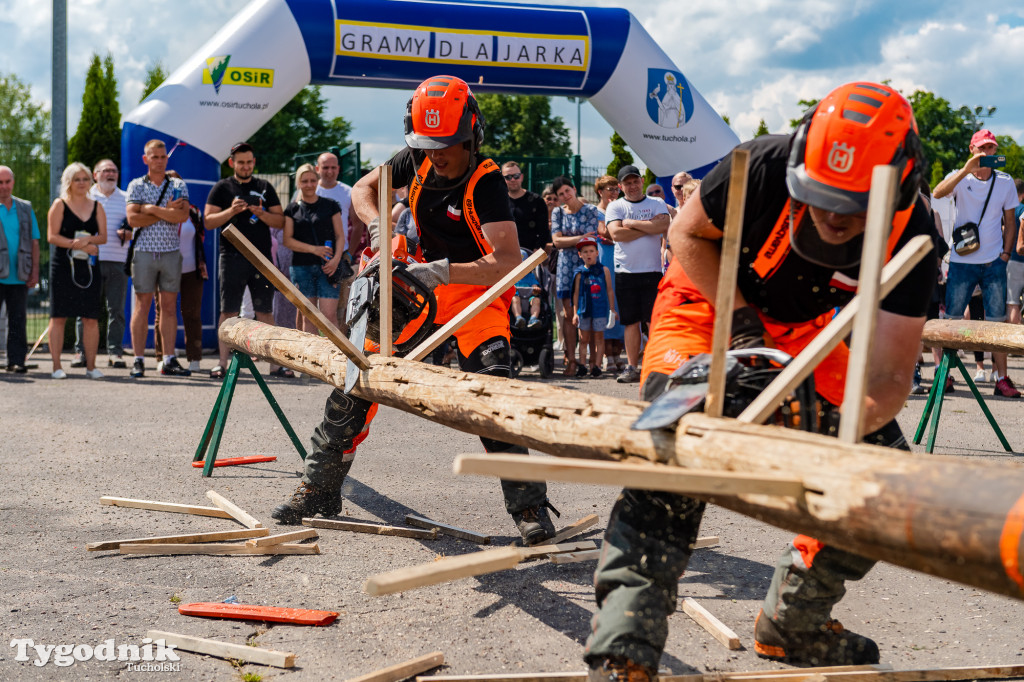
x=950 y=357
x=210 y=441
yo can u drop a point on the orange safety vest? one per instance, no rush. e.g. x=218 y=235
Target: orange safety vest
x=469 y=213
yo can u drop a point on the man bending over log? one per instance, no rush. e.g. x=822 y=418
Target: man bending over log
x=799 y=258
x=469 y=241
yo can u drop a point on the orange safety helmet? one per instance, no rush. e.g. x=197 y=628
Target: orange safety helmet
x=854 y=128
x=442 y=113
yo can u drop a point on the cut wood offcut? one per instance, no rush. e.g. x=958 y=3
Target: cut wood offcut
x=401 y=671
x=211 y=647
x=236 y=512
x=715 y=627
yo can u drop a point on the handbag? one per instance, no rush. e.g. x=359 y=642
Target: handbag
x=135 y=237
x=966 y=238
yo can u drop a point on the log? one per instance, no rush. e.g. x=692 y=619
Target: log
x=211 y=647
x=997 y=337
x=958 y=519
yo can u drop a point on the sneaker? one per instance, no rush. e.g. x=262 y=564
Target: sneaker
x=138 y=368
x=534 y=323
x=628 y=376
x=535 y=524
x=307 y=501
x=995 y=376
x=830 y=645
x=173 y=368
x=581 y=370
x=93 y=374
x=17 y=369
x=1005 y=388
x=116 y=361
x=980 y=376
x=520 y=322
x=78 y=360
x=916 y=387
x=59 y=374
x=595 y=371
x=620 y=670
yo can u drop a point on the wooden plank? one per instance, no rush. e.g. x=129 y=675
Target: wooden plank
x=881 y=204
x=444 y=570
x=796 y=371
x=709 y=541
x=236 y=512
x=576 y=557
x=574 y=529
x=715 y=627
x=371 y=528
x=540 y=551
x=292 y=536
x=434 y=340
x=225 y=549
x=975 y=672
x=384 y=198
x=292 y=293
x=212 y=647
x=190 y=538
x=172 y=507
x=789 y=674
x=728 y=266
x=646 y=476
x=997 y=337
x=445 y=529
x=401 y=671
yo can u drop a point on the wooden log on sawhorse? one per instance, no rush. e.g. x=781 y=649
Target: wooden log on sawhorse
x=209 y=444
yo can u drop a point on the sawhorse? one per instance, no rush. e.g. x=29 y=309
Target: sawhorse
x=210 y=441
x=933 y=406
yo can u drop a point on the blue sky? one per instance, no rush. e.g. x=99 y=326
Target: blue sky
x=751 y=59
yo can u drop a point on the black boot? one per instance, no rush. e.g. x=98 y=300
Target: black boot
x=534 y=524
x=620 y=670
x=308 y=501
x=829 y=645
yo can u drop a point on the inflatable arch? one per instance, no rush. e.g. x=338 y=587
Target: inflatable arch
x=257 y=62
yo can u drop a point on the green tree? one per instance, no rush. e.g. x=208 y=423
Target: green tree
x=945 y=132
x=299 y=127
x=25 y=145
x=806 y=105
x=762 y=129
x=99 y=129
x=522 y=125
x=1014 y=155
x=620 y=155
x=155 y=75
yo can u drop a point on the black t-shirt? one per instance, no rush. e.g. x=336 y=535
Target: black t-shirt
x=252 y=192
x=443 y=232
x=313 y=225
x=531 y=216
x=800 y=290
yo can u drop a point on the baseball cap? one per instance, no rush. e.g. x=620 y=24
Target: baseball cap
x=983 y=136
x=626 y=171
x=586 y=241
x=241 y=147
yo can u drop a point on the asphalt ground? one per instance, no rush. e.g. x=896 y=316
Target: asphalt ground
x=64 y=444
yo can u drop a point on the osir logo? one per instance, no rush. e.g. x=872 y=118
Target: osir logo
x=840 y=157
x=432 y=119
x=218 y=73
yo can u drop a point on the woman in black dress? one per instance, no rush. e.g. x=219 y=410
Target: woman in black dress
x=75 y=225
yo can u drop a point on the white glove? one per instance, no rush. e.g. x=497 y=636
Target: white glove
x=611 y=319
x=432 y=274
x=374 y=229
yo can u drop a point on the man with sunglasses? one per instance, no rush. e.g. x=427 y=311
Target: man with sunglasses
x=528 y=210
x=801 y=240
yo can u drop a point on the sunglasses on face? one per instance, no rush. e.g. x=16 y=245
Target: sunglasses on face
x=677 y=186
x=655 y=193
x=513 y=176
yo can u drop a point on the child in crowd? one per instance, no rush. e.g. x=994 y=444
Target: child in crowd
x=528 y=290
x=593 y=303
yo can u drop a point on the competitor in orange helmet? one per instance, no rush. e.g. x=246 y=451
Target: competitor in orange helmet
x=799 y=259
x=469 y=241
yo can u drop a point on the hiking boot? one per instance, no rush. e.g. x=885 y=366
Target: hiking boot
x=628 y=376
x=138 y=368
x=620 y=670
x=829 y=645
x=173 y=368
x=1005 y=388
x=535 y=524
x=308 y=501
x=78 y=360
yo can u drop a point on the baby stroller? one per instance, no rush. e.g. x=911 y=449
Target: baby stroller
x=531 y=343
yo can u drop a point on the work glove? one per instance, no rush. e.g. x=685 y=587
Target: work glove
x=747 y=329
x=432 y=274
x=373 y=228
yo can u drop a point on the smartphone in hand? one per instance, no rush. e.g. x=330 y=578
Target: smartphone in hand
x=992 y=161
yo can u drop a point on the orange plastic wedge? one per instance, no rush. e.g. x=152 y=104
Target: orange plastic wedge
x=234 y=461
x=272 y=614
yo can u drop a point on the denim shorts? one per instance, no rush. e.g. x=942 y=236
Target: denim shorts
x=593 y=324
x=962 y=279
x=312 y=282
x=1014 y=282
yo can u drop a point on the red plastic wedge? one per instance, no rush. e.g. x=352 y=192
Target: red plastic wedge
x=233 y=461
x=272 y=614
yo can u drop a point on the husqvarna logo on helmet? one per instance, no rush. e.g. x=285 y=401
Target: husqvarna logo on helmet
x=840 y=158
x=432 y=119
